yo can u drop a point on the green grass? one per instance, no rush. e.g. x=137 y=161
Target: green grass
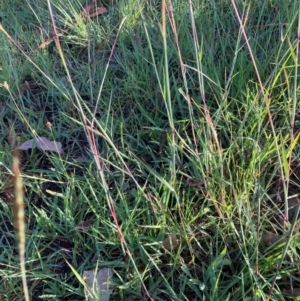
x=168 y=126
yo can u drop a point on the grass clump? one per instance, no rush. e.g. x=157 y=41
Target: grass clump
x=179 y=123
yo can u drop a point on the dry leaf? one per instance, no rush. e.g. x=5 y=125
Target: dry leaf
x=295 y=292
x=98 y=286
x=91 y=10
x=269 y=238
x=171 y=242
x=83 y=225
x=42 y=143
x=194 y=182
x=293 y=206
x=98 y=11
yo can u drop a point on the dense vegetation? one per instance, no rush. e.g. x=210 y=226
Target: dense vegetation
x=179 y=125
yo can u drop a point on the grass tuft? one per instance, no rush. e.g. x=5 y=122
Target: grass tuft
x=180 y=128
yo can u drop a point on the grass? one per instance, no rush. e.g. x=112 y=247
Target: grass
x=173 y=127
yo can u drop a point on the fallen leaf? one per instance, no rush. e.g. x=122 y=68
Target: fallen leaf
x=171 y=242
x=295 y=292
x=42 y=143
x=98 y=286
x=194 y=182
x=269 y=238
x=98 y=11
x=83 y=225
x=91 y=10
x=293 y=206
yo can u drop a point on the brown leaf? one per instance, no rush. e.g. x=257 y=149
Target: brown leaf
x=98 y=11
x=98 y=285
x=171 y=242
x=194 y=182
x=292 y=204
x=83 y=225
x=269 y=238
x=295 y=292
x=91 y=10
x=42 y=143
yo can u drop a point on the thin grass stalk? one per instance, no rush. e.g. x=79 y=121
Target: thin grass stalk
x=167 y=92
x=183 y=71
x=106 y=69
x=295 y=90
x=169 y=10
x=168 y=103
x=207 y=113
